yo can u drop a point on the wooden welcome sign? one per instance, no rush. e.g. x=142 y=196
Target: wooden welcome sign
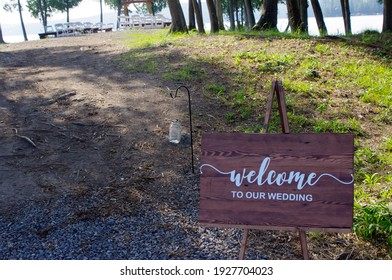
x=296 y=182
x=277 y=181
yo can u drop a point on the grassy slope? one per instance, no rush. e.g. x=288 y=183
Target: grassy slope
x=332 y=85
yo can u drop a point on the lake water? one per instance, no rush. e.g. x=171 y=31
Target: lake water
x=335 y=26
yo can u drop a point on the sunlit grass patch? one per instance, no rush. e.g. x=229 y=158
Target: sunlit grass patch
x=138 y=39
x=330 y=86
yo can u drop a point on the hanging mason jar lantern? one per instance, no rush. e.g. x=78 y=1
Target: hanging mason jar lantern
x=175 y=132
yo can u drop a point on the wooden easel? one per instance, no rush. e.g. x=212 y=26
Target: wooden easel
x=277 y=89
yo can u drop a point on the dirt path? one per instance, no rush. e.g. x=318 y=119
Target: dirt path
x=94 y=126
x=74 y=122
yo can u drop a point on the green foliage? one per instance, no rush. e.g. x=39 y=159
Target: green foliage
x=327 y=86
x=373 y=221
x=157 y=6
x=382 y=41
x=387 y=146
x=64 y=5
x=372 y=179
x=139 y=62
x=263 y=61
x=386 y=155
x=334 y=126
x=372 y=77
x=139 y=40
x=41 y=7
x=216 y=89
x=230 y=117
x=323 y=49
x=186 y=73
x=366 y=161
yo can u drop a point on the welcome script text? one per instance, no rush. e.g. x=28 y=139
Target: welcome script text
x=265 y=176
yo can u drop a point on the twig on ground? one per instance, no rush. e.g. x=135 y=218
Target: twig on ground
x=56 y=126
x=24 y=137
x=61 y=97
x=86 y=124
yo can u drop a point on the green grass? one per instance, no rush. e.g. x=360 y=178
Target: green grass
x=137 y=62
x=373 y=222
x=185 y=73
x=139 y=39
x=373 y=79
x=331 y=85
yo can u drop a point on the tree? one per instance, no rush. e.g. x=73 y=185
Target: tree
x=177 y=15
x=269 y=16
x=213 y=16
x=249 y=13
x=115 y=5
x=318 y=14
x=231 y=14
x=191 y=16
x=119 y=6
x=100 y=11
x=219 y=13
x=387 y=21
x=303 y=11
x=199 y=17
x=294 y=15
x=41 y=9
x=346 y=16
x=12 y=6
x=66 y=5
x=1 y=36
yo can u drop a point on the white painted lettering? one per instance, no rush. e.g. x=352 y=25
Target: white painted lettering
x=274 y=178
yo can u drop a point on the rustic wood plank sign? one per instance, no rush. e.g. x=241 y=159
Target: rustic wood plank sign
x=296 y=182
x=277 y=180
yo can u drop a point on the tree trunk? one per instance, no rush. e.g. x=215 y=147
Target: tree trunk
x=387 y=22
x=199 y=17
x=101 y=17
x=318 y=14
x=237 y=16
x=219 y=13
x=191 y=16
x=242 y=13
x=200 y=7
x=119 y=6
x=231 y=15
x=303 y=10
x=67 y=12
x=213 y=16
x=1 y=36
x=269 y=16
x=42 y=12
x=346 y=16
x=294 y=15
x=21 y=21
x=177 y=15
x=249 y=14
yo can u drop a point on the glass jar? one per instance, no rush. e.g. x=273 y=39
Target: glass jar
x=175 y=132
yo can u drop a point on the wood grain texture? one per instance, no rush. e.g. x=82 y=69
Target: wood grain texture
x=326 y=204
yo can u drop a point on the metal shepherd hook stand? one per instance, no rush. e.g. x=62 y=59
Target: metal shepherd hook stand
x=190 y=118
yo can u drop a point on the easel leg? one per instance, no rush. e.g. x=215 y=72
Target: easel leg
x=304 y=244
x=243 y=243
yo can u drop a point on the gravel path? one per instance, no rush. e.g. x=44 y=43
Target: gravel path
x=72 y=196
x=53 y=231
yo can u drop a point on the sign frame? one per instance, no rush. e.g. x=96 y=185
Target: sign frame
x=277 y=89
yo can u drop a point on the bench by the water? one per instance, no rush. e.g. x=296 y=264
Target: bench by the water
x=74 y=28
x=47 y=34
